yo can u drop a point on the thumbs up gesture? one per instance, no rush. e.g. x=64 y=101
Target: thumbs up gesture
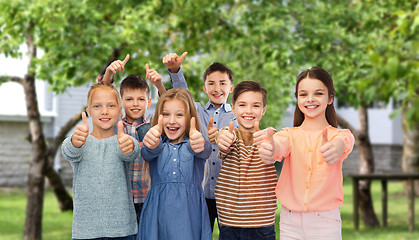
x=267 y=148
x=152 y=75
x=195 y=138
x=212 y=131
x=114 y=67
x=226 y=138
x=152 y=137
x=173 y=61
x=81 y=132
x=328 y=149
x=259 y=136
x=126 y=144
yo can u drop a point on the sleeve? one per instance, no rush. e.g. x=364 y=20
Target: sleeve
x=70 y=152
x=133 y=154
x=202 y=155
x=177 y=79
x=282 y=144
x=348 y=139
x=221 y=153
x=151 y=154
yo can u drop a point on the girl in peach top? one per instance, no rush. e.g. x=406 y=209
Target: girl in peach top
x=310 y=185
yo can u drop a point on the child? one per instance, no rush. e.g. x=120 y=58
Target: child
x=310 y=185
x=100 y=161
x=245 y=191
x=135 y=94
x=216 y=114
x=176 y=151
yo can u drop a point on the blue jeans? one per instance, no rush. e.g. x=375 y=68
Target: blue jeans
x=131 y=237
x=234 y=233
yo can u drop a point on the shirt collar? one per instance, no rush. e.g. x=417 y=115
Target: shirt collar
x=167 y=140
x=225 y=106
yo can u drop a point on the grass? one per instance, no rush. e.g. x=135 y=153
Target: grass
x=57 y=225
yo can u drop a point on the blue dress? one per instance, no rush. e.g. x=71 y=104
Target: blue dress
x=175 y=206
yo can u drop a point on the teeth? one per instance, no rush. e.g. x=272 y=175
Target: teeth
x=311 y=107
x=248 y=118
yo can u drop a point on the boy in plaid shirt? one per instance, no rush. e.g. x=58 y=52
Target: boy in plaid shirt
x=135 y=94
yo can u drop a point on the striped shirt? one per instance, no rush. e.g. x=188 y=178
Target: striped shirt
x=245 y=190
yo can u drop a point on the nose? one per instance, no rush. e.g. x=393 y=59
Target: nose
x=105 y=110
x=217 y=87
x=310 y=98
x=171 y=119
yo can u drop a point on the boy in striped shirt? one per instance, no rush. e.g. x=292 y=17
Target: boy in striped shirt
x=245 y=190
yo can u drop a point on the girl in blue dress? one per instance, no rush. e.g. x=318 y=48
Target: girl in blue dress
x=175 y=149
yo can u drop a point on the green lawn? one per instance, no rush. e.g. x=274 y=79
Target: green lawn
x=57 y=225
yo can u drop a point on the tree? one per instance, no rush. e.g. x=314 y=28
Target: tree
x=78 y=41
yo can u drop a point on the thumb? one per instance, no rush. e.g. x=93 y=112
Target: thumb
x=147 y=68
x=193 y=125
x=126 y=59
x=160 y=123
x=256 y=126
x=120 y=128
x=84 y=118
x=183 y=56
x=210 y=123
x=324 y=137
x=230 y=127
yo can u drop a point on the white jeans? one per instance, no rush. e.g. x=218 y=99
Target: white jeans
x=310 y=225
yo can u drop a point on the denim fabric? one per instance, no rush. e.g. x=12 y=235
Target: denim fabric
x=233 y=233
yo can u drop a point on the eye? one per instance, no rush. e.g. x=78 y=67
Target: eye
x=112 y=105
x=210 y=83
x=128 y=99
x=179 y=114
x=319 y=93
x=96 y=106
x=302 y=94
x=165 y=114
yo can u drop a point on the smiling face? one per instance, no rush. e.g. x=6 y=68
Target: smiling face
x=174 y=120
x=104 y=110
x=135 y=103
x=313 y=98
x=218 y=85
x=249 y=108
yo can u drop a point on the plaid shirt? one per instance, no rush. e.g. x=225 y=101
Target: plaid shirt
x=139 y=172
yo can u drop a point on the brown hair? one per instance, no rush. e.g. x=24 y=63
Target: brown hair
x=102 y=86
x=247 y=86
x=184 y=96
x=134 y=82
x=323 y=76
x=218 y=67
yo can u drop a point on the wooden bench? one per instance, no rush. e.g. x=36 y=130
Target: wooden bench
x=384 y=178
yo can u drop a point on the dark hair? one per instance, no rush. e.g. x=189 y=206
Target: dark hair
x=247 y=86
x=134 y=82
x=218 y=67
x=323 y=76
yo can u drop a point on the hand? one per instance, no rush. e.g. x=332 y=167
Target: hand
x=212 y=131
x=195 y=138
x=117 y=66
x=81 y=132
x=267 y=149
x=259 y=136
x=152 y=137
x=328 y=150
x=173 y=61
x=153 y=76
x=126 y=144
x=226 y=138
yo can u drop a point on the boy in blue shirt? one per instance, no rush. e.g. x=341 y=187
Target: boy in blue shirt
x=216 y=114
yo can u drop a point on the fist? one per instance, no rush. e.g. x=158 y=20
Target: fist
x=173 y=61
x=152 y=137
x=126 y=144
x=81 y=132
x=226 y=138
x=212 y=131
x=195 y=138
x=328 y=150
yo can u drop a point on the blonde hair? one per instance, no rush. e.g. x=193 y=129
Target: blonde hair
x=102 y=86
x=186 y=98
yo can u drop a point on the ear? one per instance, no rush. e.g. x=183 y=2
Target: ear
x=264 y=110
x=231 y=88
x=88 y=112
x=205 y=89
x=149 y=103
x=331 y=98
x=232 y=109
